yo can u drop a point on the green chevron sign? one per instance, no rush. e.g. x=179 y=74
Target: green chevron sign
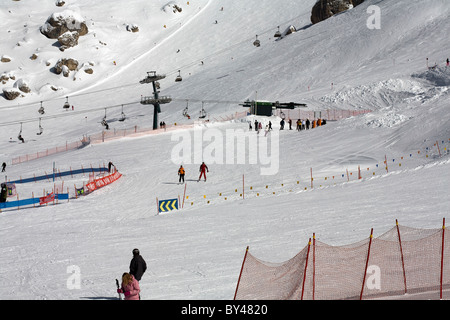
x=168 y=205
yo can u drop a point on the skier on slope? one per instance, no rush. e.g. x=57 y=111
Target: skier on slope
x=181 y=173
x=203 y=169
x=130 y=287
x=137 y=265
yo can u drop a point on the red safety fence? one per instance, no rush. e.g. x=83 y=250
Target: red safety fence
x=402 y=261
x=107 y=135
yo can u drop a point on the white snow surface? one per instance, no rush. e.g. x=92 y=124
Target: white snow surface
x=197 y=252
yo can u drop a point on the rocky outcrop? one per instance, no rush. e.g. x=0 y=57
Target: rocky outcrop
x=59 y=23
x=64 y=66
x=5 y=59
x=68 y=39
x=132 y=28
x=11 y=93
x=22 y=85
x=324 y=9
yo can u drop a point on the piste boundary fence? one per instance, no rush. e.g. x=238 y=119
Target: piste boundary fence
x=107 y=135
x=401 y=261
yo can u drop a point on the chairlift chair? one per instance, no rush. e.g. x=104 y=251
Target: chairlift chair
x=41 y=130
x=66 y=104
x=41 y=109
x=178 y=78
x=19 y=136
x=202 y=113
x=123 y=115
x=256 y=43
x=185 y=111
x=278 y=33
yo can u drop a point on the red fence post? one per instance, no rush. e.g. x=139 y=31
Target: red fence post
x=306 y=266
x=184 y=195
x=442 y=256
x=367 y=263
x=401 y=253
x=240 y=273
x=314 y=267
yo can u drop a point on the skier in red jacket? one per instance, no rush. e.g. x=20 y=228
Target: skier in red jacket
x=203 y=169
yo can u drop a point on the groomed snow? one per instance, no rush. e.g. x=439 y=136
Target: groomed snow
x=196 y=253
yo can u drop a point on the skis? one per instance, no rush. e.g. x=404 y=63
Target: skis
x=118 y=287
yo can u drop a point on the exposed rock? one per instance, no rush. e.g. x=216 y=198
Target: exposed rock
x=4 y=77
x=59 y=23
x=11 y=93
x=324 y=9
x=132 y=28
x=60 y=3
x=68 y=39
x=34 y=56
x=176 y=8
x=22 y=85
x=5 y=59
x=65 y=66
x=65 y=71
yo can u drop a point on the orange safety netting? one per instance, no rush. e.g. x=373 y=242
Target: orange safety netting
x=402 y=260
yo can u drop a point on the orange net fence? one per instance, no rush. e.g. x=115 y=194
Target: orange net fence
x=401 y=261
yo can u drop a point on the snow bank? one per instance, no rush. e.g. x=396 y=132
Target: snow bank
x=437 y=76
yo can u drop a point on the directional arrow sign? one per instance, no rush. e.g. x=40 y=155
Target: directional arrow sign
x=168 y=205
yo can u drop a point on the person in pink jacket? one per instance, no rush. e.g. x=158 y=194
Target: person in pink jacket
x=130 y=287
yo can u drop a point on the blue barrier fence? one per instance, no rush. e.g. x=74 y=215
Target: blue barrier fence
x=31 y=201
x=59 y=175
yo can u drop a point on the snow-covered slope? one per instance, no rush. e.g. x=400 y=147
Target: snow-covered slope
x=196 y=253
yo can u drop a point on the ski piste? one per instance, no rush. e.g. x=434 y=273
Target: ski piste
x=118 y=287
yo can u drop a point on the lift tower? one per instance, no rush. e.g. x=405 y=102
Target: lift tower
x=156 y=100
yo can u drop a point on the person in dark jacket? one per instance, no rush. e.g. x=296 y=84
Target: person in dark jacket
x=137 y=265
x=3 y=193
x=3 y=166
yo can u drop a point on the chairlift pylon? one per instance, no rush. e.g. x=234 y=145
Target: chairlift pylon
x=178 y=78
x=256 y=43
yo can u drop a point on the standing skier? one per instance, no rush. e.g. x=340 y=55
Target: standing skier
x=3 y=193
x=137 y=265
x=130 y=287
x=3 y=166
x=110 y=166
x=181 y=173
x=448 y=62
x=203 y=169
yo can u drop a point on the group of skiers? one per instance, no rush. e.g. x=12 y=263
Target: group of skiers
x=130 y=280
x=203 y=169
x=302 y=124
